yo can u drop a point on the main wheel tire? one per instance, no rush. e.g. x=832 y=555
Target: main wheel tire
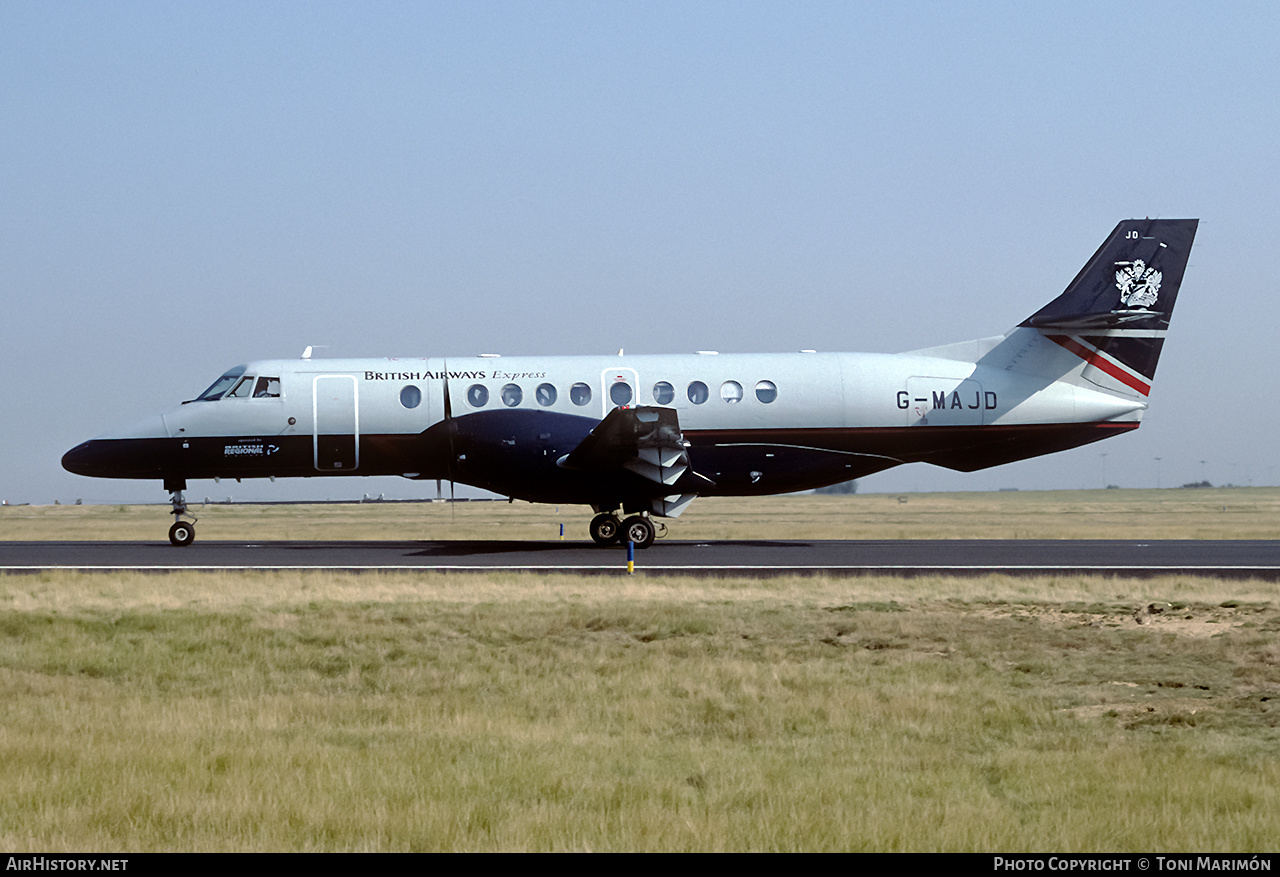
x=639 y=530
x=604 y=529
x=182 y=533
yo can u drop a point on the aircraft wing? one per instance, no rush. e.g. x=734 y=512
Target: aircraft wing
x=645 y=440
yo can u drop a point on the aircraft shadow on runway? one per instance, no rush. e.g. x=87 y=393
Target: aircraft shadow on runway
x=473 y=548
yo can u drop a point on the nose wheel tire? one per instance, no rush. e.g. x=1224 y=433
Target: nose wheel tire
x=604 y=529
x=639 y=530
x=182 y=533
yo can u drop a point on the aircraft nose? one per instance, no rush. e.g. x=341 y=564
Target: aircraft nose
x=139 y=451
x=119 y=458
x=86 y=458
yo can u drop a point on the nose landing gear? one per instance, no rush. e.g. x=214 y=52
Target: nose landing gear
x=182 y=532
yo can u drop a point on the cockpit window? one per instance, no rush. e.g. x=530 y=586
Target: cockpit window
x=242 y=389
x=267 y=388
x=221 y=385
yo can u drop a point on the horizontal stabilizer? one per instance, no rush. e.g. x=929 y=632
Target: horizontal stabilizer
x=1077 y=322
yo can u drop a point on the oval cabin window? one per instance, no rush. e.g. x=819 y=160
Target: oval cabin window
x=620 y=393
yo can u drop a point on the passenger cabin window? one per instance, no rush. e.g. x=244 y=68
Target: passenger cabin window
x=545 y=395
x=698 y=392
x=477 y=395
x=410 y=397
x=580 y=394
x=663 y=393
x=766 y=391
x=511 y=395
x=731 y=392
x=620 y=393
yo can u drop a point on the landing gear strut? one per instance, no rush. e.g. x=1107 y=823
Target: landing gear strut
x=182 y=532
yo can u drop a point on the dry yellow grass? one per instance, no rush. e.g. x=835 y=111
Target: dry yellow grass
x=405 y=711
x=1227 y=513
x=410 y=711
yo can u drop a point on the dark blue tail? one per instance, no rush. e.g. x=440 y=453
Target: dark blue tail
x=1118 y=306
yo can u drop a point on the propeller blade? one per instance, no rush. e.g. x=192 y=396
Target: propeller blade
x=449 y=430
x=448 y=402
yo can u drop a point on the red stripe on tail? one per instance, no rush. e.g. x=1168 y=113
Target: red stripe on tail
x=1096 y=359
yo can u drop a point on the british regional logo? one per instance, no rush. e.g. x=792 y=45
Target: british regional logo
x=1138 y=284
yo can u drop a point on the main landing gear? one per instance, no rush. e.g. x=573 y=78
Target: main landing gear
x=182 y=532
x=606 y=530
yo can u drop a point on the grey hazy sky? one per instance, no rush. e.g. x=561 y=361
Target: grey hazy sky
x=188 y=186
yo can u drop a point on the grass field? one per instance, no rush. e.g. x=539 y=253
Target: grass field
x=406 y=711
x=1224 y=513
x=314 y=711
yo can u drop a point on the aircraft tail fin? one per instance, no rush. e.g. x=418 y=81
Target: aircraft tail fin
x=1115 y=313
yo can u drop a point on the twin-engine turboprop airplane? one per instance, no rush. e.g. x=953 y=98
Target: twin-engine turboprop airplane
x=648 y=434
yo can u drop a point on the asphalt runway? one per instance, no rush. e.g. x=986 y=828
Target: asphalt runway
x=1229 y=558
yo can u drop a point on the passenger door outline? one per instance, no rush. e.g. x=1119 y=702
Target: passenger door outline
x=335 y=418
x=612 y=376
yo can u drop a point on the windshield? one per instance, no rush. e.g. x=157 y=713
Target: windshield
x=221 y=385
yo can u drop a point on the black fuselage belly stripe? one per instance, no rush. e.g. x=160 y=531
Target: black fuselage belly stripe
x=524 y=464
